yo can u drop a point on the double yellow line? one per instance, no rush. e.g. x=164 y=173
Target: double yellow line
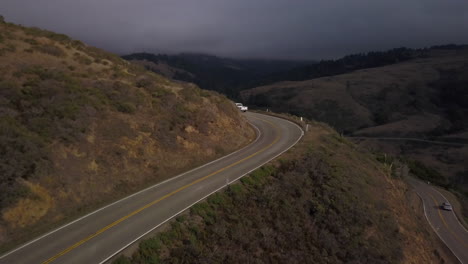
x=102 y=230
x=446 y=225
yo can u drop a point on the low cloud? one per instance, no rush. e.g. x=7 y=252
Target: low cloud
x=298 y=29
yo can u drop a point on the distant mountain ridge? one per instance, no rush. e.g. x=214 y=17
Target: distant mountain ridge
x=422 y=97
x=230 y=76
x=224 y=75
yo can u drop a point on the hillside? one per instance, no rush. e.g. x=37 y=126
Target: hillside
x=324 y=201
x=419 y=98
x=80 y=127
x=224 y=75
x=231 y=76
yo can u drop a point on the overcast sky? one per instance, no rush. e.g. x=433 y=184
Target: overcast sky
x=292 y=29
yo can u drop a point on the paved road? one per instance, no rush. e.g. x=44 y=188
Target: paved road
x=444 y=223
x=101 y=234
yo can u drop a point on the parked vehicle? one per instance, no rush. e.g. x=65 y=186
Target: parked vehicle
x=241 y=107
x=446 y=206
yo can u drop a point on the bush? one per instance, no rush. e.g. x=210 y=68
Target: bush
x=122 y=260
x=126 y=107
x=82 y=59
x=23 y=157
x=37 y=32
x=425 y=173
x=52 y=50
x=31 y=41
x=143 y=81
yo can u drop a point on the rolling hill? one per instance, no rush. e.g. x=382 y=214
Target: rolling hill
x=224 y=75
x=425 y=98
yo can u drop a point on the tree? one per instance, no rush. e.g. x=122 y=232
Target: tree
x=2 y=19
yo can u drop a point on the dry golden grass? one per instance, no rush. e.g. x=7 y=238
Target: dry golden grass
x=109 y=127
x=414 y=124
x=394 y=94
x=28 y=211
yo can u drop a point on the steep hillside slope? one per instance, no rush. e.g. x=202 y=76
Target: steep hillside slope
x=80 y=127
x=325 y=201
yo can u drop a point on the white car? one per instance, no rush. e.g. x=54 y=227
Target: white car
x=447 y=206
x=241 y=107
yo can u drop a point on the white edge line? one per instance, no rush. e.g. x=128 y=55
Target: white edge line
x=222 y=187
x=459 y=222
x=427 y=218
x=139 y=192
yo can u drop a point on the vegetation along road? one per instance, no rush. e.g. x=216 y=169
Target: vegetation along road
x=98 y=236
x=444 y=223
x=411 y=139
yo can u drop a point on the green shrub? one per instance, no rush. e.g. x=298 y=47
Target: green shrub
x=51 y=49
x=126 y=107
x=122 y=260
x=143 y=81
x=31 y=41
x=23 y=157
x=151 y=245
x=217 y=199
x=77 y=44
x=82 y=59
x=236 y=190
x=258 y=176
x=68 y=109
x=425 y=173
x=148 y=252
x=181 y=219
x=37 y=32
x=8 y=48
x=47 y=74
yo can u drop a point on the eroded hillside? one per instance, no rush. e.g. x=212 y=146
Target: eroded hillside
x=80 y=127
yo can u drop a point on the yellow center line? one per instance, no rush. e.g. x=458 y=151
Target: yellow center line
x=446 y=225
x=65 y=251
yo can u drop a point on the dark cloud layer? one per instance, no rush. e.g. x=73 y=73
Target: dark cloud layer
x=297 y=29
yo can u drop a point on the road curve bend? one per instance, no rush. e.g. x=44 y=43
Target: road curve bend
x=444 y=223
x=101 y=234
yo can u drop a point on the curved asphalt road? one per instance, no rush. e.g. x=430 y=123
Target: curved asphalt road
x=444 y=223
x=98 y=236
